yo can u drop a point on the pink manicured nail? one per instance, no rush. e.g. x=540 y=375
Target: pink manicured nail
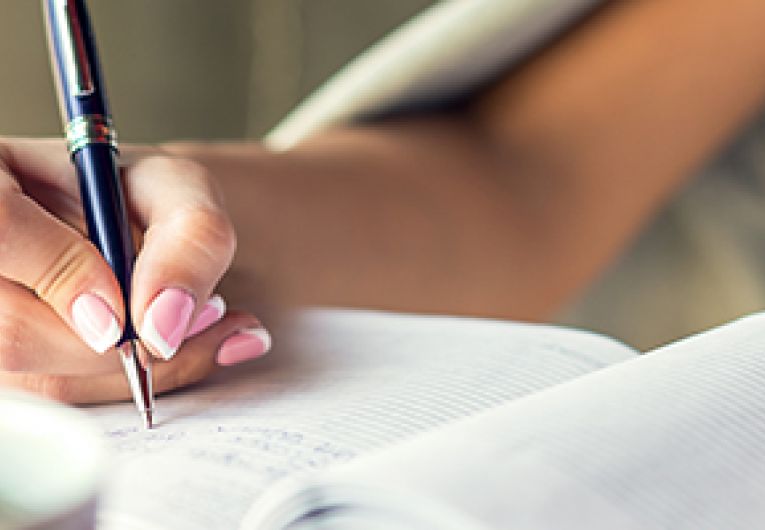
x=245 y=345
x=212 y=312
x=95 y=322
x=166 y=321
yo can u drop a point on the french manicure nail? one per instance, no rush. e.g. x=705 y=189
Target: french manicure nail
x=95 y=322
x=212 y=312
x=243 y=346
x=166 y=321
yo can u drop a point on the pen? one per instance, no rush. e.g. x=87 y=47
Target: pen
x=92 y=143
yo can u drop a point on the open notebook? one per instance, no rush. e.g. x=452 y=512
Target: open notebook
x=362 y=420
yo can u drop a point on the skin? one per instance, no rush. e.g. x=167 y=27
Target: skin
x=508 y=207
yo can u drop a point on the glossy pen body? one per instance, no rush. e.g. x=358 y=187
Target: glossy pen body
x=92 y=143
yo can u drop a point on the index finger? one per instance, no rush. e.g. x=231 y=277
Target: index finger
x=188 y=245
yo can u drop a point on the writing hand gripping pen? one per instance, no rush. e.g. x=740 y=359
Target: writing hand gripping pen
x=92 y=143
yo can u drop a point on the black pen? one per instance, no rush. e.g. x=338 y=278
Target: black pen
x=92 y=143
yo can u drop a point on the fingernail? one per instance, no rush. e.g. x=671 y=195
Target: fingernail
x=245 y=345
x=166 y=321
x=212 y=312
x=95 y=322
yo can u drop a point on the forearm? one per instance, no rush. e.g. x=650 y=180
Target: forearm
x=514 y=206
x=411 y=215
x=620 y=112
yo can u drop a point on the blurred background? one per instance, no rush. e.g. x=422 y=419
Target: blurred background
x=197 y=69
x=193 y=68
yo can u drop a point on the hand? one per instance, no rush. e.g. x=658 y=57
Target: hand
x=60 y=304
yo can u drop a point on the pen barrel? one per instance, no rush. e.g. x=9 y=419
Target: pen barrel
x=92 y=143
x=106 y=217
x=74 y=56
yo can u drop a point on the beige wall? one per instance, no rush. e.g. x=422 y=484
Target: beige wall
x=192 y=68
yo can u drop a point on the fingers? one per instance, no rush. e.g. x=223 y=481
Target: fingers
x=211 y=313
x=198 y=357
x=34 y=339
x=60 y=266
x=201 y=354
x=188 y=245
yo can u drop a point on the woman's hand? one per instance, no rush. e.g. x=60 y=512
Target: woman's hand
x=61 y=309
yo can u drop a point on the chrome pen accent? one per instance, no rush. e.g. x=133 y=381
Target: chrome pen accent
x=139 y=380
x=74 y=54
x=90 y=129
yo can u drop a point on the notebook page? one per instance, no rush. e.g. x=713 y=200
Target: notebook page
x=674 y=439
x=338 y=384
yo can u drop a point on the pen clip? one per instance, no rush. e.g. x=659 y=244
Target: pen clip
x=74 y=55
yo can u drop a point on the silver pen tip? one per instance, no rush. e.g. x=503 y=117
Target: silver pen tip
x=139 y=379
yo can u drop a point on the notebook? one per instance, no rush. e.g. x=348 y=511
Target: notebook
x=371 y=420
x=375 y=421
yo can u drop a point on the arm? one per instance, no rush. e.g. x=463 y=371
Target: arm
x=507 y=208
x=512 y=206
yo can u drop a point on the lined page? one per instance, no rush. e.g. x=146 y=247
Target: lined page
x=338 y=384
x=674 y=439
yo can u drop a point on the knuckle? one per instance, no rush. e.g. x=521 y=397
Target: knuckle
x=74 y=264
x=208 y=229
x=205 y=223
